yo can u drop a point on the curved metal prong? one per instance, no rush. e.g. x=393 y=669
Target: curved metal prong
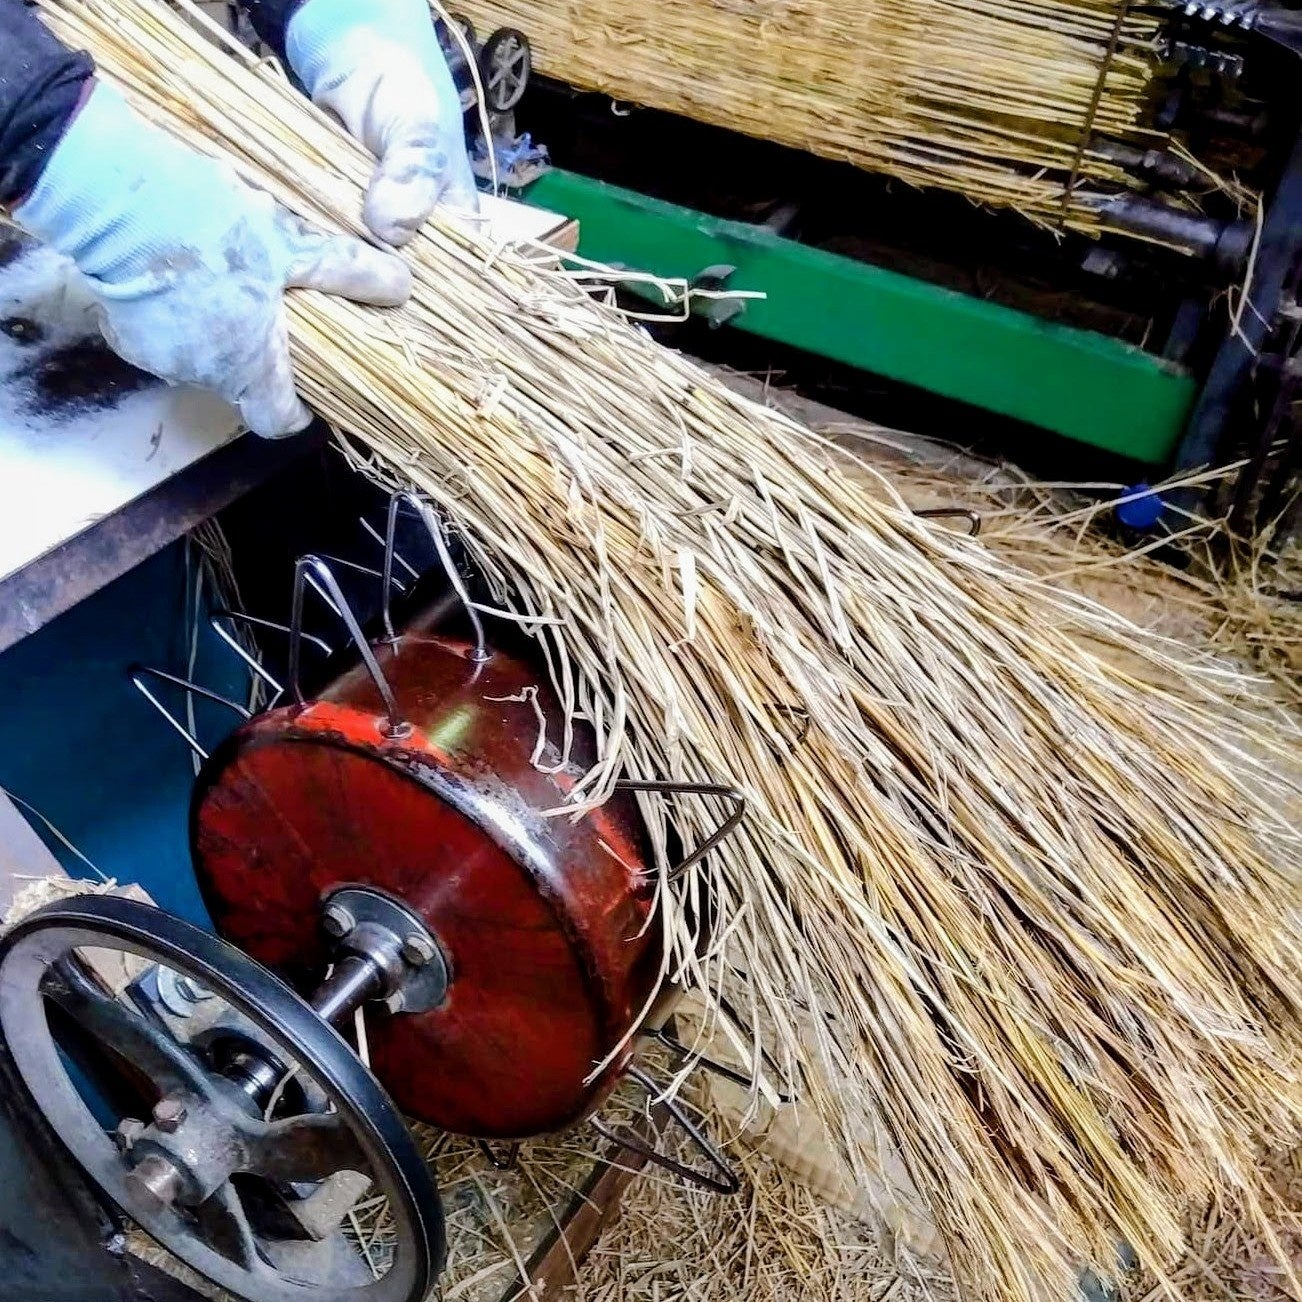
x=725 y=830
x=313 y=571
x=425 y=513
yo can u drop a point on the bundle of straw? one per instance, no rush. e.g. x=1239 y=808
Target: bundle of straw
x=1028 y=915
x=1011 y=104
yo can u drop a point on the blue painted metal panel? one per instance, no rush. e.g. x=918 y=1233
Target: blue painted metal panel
x=80 y=744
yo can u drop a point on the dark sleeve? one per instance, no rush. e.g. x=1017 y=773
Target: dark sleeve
x=41 y=86
x=269 y=19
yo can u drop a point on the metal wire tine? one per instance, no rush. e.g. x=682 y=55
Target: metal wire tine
x=953 y=513
x=379 y=538
x=238 y=615
x=138 y=672
x=508 y=1160
x=312 y=570
x=721 y=834
x=368 y=570
x=738 y=1077
x=255 y=666
x=725 y=1181
x=425 y=513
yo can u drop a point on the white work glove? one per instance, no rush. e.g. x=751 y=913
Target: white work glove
x=377 y=66
x=189 y=265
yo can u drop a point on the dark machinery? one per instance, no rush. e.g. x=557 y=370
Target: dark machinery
x=502 y=66
x=392 y=847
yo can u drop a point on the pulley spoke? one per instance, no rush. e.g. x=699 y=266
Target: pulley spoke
x=226 y=1229
x=113 y=1025
x=304 y=1148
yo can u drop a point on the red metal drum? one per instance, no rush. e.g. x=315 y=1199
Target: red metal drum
x=544 y=922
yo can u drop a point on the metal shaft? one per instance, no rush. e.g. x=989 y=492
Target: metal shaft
x=351 y=984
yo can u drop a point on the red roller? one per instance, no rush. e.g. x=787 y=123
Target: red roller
x=544 y=922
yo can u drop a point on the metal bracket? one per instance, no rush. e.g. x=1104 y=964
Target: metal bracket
x=719 y=311
x=724 y=831
x=724 y=1179
x=139 y=672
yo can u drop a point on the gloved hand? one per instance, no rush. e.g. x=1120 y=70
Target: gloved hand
x=377 y=66
x=189 y=264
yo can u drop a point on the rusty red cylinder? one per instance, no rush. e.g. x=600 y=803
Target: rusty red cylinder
x=543 y=920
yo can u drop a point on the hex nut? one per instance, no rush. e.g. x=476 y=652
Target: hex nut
x=418 y=950
x=168 y=1115
x=395 y=1002
x=338 y=921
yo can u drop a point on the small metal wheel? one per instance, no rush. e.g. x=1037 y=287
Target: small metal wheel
x=506 y=64
x=234 y=1126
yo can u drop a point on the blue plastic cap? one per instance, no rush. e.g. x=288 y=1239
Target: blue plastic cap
x=1140 y=507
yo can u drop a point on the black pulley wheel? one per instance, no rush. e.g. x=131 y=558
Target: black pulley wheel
x=200 y=1175
x=506 y=64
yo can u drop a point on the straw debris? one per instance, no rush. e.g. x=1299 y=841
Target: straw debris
x=1029 y=913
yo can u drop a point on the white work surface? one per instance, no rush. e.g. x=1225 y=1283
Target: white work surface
x=81 y=435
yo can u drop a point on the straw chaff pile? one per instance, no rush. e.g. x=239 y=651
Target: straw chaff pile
x=1008 y=103
x=1017 y=914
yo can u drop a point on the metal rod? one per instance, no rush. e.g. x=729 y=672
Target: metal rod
x=314 y=571
x=1281 y=237
x=354 y=981
x=1226 y=242
x=425 y=513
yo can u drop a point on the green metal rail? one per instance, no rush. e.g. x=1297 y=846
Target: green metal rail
x=1084 y=385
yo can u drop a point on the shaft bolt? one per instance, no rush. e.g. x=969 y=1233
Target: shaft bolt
x=168 y=1115
x=418 y=950
x=338 y=921
x=129 y=1130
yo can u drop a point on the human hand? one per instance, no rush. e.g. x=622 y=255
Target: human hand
x=378 y=67
x=189 y=264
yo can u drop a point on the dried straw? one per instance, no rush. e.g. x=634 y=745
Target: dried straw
x=1007 y=103
x=1027 y=913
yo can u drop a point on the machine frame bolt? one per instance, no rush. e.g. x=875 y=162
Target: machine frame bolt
x=394 y=1003
x=169 y=1114
x=337 y=921
x=418 y=950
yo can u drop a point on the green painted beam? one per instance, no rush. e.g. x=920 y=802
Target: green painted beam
x=1075 y=382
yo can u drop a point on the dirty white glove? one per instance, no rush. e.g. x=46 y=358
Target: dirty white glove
x=377 y=66
x=189 y=265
